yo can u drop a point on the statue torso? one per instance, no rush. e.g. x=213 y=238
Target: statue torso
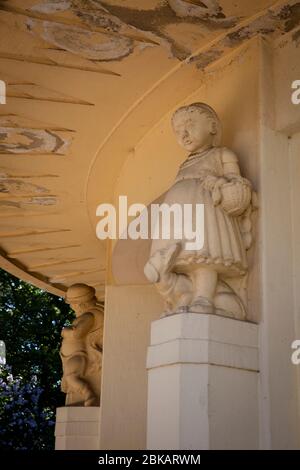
x=198 y=166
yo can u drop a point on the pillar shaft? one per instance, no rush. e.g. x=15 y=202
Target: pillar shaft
x=202 y=383
x=77 y=428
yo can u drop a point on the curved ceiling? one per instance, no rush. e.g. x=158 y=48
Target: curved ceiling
x=86 y=80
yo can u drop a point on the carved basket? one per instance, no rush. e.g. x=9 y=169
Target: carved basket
x=236 y=197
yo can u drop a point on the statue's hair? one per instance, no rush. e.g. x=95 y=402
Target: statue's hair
x=80 y=293
x=205 y=109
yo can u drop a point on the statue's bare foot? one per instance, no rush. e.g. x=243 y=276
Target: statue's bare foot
x=179 y=309
x=202 y=305
x=92 y=401
x=183 y=309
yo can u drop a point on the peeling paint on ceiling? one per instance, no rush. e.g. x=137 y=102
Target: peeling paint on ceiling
x=90 y=45
x=172 y=12
x=32 y=141
x=209 y=10
x=42 y=201
x=52 y=7
x=19 y=187
x=274 y=22
x=30 y=202
x=296 y=37
x=112 y=30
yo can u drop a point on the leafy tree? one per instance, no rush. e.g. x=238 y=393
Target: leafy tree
x=24 y=424
x=31 y=321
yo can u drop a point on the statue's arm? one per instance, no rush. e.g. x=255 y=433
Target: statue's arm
x=67 y=331
x=230 y=163
x=83 y=325
x=231 y=170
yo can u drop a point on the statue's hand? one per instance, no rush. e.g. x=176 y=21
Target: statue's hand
x=67 y=330
x=210 y=182
x=216 y=192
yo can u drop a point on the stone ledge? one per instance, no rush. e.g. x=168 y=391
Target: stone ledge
x=203 y=339
x=77 y=413
x=205 y=327
x=77 y=428
x=77 y=443
x=193 y=351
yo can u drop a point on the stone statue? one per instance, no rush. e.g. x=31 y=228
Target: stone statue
x=214 y=278
x=81 y=349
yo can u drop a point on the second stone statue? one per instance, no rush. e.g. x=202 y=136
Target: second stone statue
x=82 y=347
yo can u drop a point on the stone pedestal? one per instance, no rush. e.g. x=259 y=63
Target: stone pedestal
x=77 y=428
x=202 y=383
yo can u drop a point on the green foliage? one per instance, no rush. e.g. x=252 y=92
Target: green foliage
x=31 y=321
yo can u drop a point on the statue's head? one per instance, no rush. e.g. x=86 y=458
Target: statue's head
x=81 y=298
x=196 y=127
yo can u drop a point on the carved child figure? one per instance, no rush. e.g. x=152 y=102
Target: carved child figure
x=189 y=280
x=81 y=349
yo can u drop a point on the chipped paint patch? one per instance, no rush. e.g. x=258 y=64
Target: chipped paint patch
x=149 y=26
x=87 y=44
x=52 y=7
x=32 y=141
x=99 y=20
x=18 y=187
x=296 y=37
x=129 y=24
x=96 y=17
x=205 y=58
x=208 y=10
x=32 y=201
x=291 y=15
x=133 y=4
x=154 y=22
x=126 y=24
x=275 y=22
x=42 y=201
x=263 y=25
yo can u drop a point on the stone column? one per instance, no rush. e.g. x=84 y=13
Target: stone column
x=202 y=383
x=77 y=428
x=129 y=311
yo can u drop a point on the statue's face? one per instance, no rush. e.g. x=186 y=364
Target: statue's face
x=82 y=307
x=193 y=129
x=76 y=307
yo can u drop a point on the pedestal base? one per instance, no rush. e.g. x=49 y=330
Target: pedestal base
x=202 y=383
x=77 y=428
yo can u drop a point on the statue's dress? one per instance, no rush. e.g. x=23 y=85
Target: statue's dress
x=223 y=248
